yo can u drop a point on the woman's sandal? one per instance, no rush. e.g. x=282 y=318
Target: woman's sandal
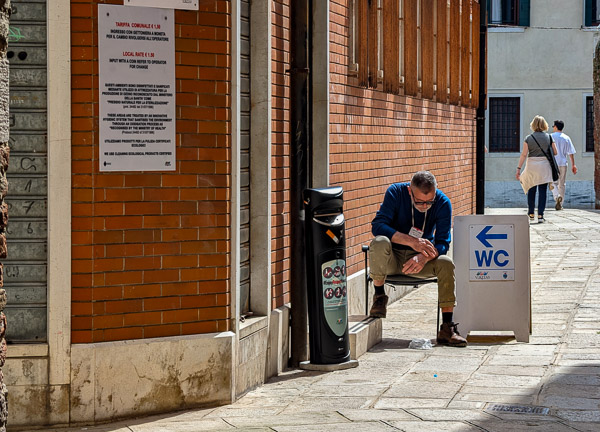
x=541 y=219
x=531 y=216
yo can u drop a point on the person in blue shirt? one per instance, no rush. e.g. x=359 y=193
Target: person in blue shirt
x=412 y=236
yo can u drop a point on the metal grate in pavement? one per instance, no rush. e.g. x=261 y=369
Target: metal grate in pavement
x=518 y=409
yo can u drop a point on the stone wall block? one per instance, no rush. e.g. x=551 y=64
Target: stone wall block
x=3 y=215
x=2 y=325
x=4 y=156
x=3 y=186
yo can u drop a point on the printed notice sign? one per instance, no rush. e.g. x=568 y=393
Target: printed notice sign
x=136 y=50
x=492 y=252
x=167 y=4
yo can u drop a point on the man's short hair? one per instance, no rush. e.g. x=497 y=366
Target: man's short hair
x=424 y=181
x=559 y=124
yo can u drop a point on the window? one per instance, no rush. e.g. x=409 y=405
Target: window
x=503 y=12
x=508 y=12
x=589 y=124
x=592 y=13
x=505 y=124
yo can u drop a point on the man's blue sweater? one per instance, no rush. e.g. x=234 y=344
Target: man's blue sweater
x=395 y=215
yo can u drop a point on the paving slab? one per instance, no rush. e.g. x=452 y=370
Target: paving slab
x=434 y=426
x=288 y=419
x=376 y=415
x=339 y=427
x=416 y=389
x=523 y=425
x=591 y=416
x=449 y=414
x=407 y=403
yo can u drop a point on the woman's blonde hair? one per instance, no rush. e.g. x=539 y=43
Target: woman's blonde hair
x=539 y=124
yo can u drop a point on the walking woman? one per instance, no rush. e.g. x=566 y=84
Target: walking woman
x=537 y=174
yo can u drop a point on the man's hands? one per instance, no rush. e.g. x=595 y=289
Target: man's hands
x=415 y=264
x=427 y=252
x=425 y=247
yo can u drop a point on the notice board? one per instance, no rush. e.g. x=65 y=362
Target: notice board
x=136 y=56
x=168 y=4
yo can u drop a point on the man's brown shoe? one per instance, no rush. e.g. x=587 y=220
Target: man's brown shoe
x=379 y=308
x=449 y=335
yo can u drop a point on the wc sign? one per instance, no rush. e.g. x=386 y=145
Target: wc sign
x=491 y=253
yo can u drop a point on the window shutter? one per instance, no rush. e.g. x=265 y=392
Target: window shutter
x=524 y=13
x=588 y=13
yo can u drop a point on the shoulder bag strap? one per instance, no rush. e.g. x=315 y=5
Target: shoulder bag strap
x=538 y=144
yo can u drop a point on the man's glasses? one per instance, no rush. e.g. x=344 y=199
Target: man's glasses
x=421 y=203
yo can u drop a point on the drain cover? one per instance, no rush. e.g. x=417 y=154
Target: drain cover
x=519 y=409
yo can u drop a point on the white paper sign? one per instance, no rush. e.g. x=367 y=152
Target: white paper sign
x=166 y=4
x=491 y=252
x=136 y=50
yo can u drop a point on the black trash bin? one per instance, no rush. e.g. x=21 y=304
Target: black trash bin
x=326 y=276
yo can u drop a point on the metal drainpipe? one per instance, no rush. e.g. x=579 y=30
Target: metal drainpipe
x=480 y=121
x=300 y=144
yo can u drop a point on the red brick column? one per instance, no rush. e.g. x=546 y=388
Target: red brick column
x=150 y=252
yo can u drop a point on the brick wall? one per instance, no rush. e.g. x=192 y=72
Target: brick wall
x=375 y=139
x=280 y=208
x=150 y=254
x=378 y=138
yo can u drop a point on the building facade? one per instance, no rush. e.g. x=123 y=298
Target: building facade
x=540 y=56
x=141 y=291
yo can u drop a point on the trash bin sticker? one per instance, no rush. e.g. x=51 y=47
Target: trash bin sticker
x=492 y=252
x=335 y=295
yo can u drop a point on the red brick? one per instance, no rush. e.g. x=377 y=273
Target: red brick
x=123 y=306
x=162 y=275
x=143 y=318
x=179 y=316
x=142 y=291
x=162 y=331
x=162 y=303
x=128 y=333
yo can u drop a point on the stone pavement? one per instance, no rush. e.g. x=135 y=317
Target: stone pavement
x=550 y=384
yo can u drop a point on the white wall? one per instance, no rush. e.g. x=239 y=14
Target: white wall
x=549 y=65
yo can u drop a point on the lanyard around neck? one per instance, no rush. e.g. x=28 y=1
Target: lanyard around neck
x=412 y=211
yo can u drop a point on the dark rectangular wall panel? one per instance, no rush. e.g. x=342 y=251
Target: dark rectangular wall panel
x=362 y=46
x=391 y=46
x=465 y=53
x=454 y=51
x=427 y=50
x=410 y=48
x=373 y=45
x=442 y=51
x=475 y=56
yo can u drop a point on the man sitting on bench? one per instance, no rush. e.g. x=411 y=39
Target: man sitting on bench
x=412 y=236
